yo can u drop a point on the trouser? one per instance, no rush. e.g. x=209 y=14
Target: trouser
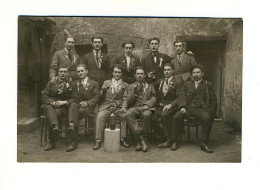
x=75 y=113
x=130 y=117
x=101 y=122
x=204 y=118
x=171 y=132
x=54 y=115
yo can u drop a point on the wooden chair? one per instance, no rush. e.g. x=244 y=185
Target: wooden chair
x=192 y=122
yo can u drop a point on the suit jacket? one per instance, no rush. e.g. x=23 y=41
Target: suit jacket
x=172 y=93
x=149 y=96
x=188 y=92
x=90 y=94
x=95 y=73
x=109 y=98
x=128 y=76
x=149 y=65
x=52 y=92
x=182 y=69
x=61 y=58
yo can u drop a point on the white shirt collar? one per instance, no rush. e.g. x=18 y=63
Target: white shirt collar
x=197 y=82
x=99 y=52
x=85 y=80
x=169 y=79
x=114 y=81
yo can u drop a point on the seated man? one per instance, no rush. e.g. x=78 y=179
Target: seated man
x=110 y=101
x=54 y=98
x=168 y=106
x=85 y=96
x=140 y=101
x=197 y=99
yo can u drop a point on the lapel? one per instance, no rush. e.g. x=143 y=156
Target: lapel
x=201 y=84
x=124 y=62
x=94 y=58
x=64 y=53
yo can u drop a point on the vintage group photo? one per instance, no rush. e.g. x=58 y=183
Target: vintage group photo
x=129 y=89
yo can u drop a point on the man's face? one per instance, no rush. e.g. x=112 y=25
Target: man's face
x=82 y=72
x=63 y=73
x=154 y=45
x=139 y=75
x=128 y=49
x=97 y=44
x=117 y=74
x=69 y=44
x=178 y=47
x=197 y=74
x=168 y=71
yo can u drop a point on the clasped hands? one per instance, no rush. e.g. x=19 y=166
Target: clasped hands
x=57 y=104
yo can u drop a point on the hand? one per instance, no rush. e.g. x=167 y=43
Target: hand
x=145 y=107
x=83 y=104
x=123 y=110
x=151 y=75
x=60 y=103
x=190 y=53
x=183 y=110
x=167 y=107
x=55 y=104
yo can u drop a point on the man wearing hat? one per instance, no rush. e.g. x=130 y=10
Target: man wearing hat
x=128 y=62
x=197 y=99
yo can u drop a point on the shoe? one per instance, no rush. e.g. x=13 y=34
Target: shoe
x=56 y=133
x=143 y=143
x=138 y=146
x=72 y=146
x=124 y=144
x=50 y=146
x=175 y=145
x=166 y=144
x=97 y=145
x=204 y=147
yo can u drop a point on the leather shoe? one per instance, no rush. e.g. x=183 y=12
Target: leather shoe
x=204 y=147
x=138 y=146
x=166 y=144
x=97 y=145
x=143 y=143
x=50 y=146
x=56 y=133
x=174 y=146
x=124 y=143
x=72 y=146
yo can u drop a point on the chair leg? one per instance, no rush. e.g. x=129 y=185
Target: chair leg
x=86 y=127
x=197 y=134
x=41 y=123
x=46 y=129
x=188 y=132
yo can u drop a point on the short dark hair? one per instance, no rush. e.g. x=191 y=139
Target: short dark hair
x=96 y=37
x=65 y=39
x=197 y=66
x=133 y=45
x=169 y=64
x=139 y=67
x=154 y=38
x=82 y=65
x=116 y=66
x=63 y=66
x=178 y=41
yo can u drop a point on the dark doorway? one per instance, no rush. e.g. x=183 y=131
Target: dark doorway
x=210 y=55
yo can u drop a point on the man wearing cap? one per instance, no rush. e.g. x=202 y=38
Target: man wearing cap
x=197 y=99
x=139 y=100
x=182 y=62
x=128 y=62
x=154 y=61
x=97 y=62
x=67 y=57
x=110 y=101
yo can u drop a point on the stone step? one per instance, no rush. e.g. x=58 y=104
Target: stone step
x=27 y=125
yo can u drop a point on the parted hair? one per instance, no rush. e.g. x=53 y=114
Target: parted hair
x=154 y=38
x=82 y=65
x=169 y=64
x=116 y=66
x=96 y=37
x=139 y=67
x=130 y=42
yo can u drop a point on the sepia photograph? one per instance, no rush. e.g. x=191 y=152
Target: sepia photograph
x=128 y=89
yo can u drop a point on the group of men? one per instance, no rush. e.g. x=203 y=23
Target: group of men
x=158 y=88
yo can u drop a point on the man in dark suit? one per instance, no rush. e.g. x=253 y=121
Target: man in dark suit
x=55 y=98
x=85 y=96
x=110 y=101
x=67 y=57
x=139 y=100
x=167 y=106
x=97 y=62
x=182 y=62
x=154 y=61
x=128 y=62
x=197 y=99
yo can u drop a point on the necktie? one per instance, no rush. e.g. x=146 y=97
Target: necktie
x=154 y=58
x=97 y=57
x=70 y=55
x=166 y=81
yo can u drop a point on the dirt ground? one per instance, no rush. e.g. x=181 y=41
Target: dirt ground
x=225 y=143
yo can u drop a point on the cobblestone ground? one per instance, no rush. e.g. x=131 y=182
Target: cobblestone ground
x=226 y=146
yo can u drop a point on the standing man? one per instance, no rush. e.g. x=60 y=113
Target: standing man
x=67 y=57
x=97 y=62
x=83 y=102
x=154 y=61
x=140 y=101
x=128 y=62
x=168 y=106
x=110 y=101
x=182 y=62
x=197 y=99
x=55 y=98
